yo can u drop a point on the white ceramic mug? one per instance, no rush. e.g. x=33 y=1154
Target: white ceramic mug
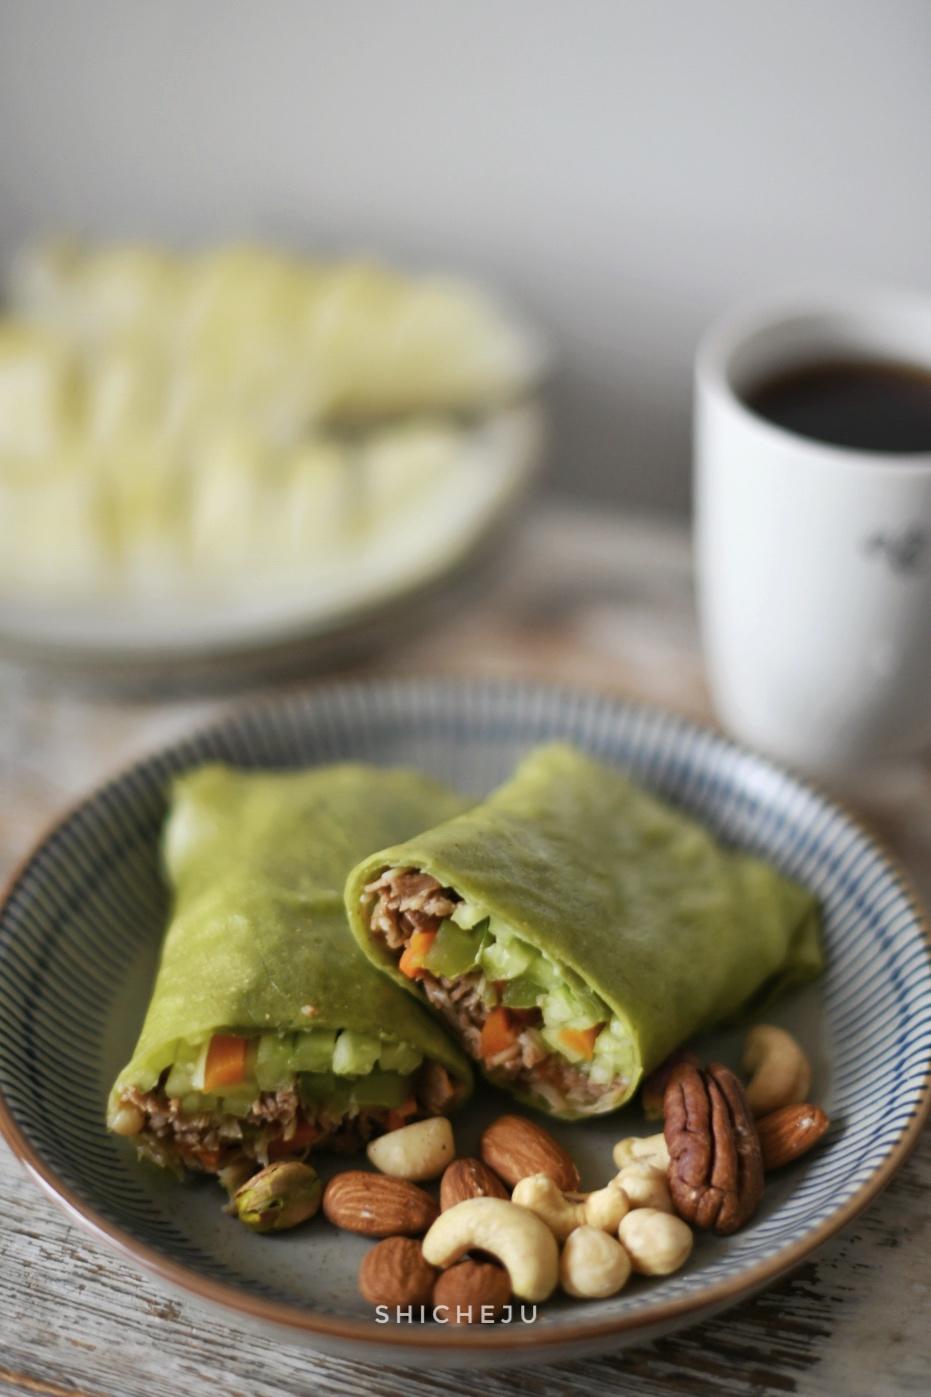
x=813 y=561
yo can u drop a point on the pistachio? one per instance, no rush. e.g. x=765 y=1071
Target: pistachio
x=232 y=1177
x=280 y=1196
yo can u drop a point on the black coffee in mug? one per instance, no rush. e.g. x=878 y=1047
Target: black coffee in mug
x=869 y=405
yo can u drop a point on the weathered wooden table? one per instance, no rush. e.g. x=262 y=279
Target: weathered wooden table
x=587 y=599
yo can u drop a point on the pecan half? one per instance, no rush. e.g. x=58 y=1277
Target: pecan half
x=715 y=1169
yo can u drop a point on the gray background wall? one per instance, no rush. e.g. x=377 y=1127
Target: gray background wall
x=623 y=168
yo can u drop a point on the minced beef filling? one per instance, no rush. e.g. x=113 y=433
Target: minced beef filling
x=276 y=1126
x=404 y=901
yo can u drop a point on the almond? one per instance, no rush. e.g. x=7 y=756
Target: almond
x=469 y=1178
x=514 y=1147
x=376 y=1205
x=468 y=1288
x=789 y=1132
x=395 y=1273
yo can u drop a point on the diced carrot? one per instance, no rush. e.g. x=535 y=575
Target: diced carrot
x=207 y=1159
x=498 y=1033
x=581 y=1040
x=411 y=963
x=304 y=1135
x=401 y=1114
x=226 y=1061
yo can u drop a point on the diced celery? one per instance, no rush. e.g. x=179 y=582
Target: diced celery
x=398 y=1057
x=322 y=1090
x=558 y=1006
x=197 y=1076
x=614 y=1037
x=239 y=1104
x=573 y=1008
x=335 y=1095
x=193 y=1104
x=273 y=1066
x=545 y=972
x=180 y=1079
x=506 y=959
x=489 y=994
x=388 y=1089
x=614 y=1053
x=355 y=1054
x=522 y=993
x=313 y=1051
x=453 y=952
x=313 y=1086
x=467 y=914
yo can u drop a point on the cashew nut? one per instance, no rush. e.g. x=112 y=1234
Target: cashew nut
x=415 y=1152
x=657 y=1243
x=650 y=1149
x=563 y=1213
x=645 y=1186
x=780 y=1074
x=593 y=1265
x=542 y=1196
x=605 y=1207
x=520 y=1240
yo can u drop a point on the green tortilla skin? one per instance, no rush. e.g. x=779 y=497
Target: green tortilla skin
x=674 y=932
x=257 y=862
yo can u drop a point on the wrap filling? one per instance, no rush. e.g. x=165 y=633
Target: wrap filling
x=533 y=1023
x=235 y=1098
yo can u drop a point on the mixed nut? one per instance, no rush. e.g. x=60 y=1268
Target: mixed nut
x=281 y=1196
x=513 y=1222
x=715 y=1162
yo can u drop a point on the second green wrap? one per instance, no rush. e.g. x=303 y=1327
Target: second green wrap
x=581 y=930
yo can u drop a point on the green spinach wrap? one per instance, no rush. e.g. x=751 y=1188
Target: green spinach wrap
x=268 y=1032
x=574 y=930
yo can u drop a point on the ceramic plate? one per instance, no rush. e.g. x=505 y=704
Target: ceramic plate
x=79 y=934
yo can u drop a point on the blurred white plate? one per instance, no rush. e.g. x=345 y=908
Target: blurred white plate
x=321 y=606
